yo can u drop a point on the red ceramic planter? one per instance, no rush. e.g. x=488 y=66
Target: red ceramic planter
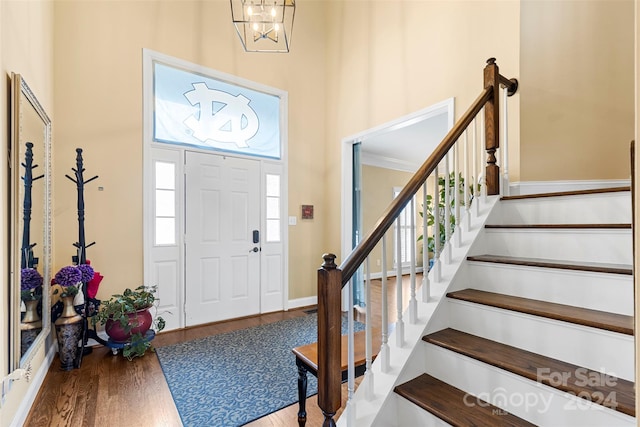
x=140 y=322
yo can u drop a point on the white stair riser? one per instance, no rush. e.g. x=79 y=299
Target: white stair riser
x=527 y=399
x=409 y=414
x=598 y=291
x=587 y=209
x=601 y=246
x=584 y=346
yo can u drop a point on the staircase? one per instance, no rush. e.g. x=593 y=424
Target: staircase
x=537 y=325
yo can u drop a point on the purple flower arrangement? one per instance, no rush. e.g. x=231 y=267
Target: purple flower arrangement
x=87 y=272
x=30 y=284
x=30 y=278
x=70 y=276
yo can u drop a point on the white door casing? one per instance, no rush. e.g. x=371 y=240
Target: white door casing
x=173 y=266
x=273 y=238
x=165 y=268
x=166 y=264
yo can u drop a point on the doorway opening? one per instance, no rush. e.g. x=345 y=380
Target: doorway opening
x=378 y=159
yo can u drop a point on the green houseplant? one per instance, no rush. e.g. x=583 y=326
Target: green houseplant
x=126 y=318
x=442 y=186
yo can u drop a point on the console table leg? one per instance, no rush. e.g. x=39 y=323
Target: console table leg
x=302 y=394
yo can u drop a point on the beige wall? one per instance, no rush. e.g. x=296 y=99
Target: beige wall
x=390 y=58
x=353 y=65
x=576 y=94
x=26 y=49
x=98 y=74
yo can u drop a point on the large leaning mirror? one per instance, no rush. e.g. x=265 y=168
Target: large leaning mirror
x=30 y=224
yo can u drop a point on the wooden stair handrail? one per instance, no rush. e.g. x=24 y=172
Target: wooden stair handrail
x=332 y=278
x=360 y=253
x=487 y=97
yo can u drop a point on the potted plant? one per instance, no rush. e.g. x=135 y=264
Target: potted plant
x=442 y=188
x=126 y=319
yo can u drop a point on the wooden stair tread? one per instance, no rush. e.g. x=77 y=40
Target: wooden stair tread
x=454 y=405
x=615 y=226
x=548 y=263
x=567 y=313
x=567 y=193
x=619 y=394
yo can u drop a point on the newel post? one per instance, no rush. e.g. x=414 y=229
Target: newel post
x=329 y=328
x=492 y=126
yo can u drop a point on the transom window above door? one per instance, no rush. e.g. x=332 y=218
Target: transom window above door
x=199 y=111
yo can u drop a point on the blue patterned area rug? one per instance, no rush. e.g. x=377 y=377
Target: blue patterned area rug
x=230 y=379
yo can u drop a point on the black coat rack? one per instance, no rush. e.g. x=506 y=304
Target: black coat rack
x=81 y=246
x=81 y=251
x=27 y=259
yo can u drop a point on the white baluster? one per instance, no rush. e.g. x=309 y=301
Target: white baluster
x=350 y=411
x=505 y=147
x=447 y=212
x=475 y=204
x=350 y=346
x=437 y=274
x=384 y=349
x=425 y=247
x=368 y=374
x=457 y=234
x=465 y=198
x=483 y=155
x=413 y=302
x=399 y=323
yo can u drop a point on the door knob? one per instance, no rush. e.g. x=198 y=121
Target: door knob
x=255 y=249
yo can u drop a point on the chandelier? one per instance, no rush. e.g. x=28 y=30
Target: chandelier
x=264 y=25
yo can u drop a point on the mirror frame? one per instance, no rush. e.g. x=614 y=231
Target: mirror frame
x=21 y=98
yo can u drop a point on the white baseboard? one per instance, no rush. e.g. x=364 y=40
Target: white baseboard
x=30 y=397
x=534 y=187
x=302 y=302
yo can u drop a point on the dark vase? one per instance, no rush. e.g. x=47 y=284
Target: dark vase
x=68 y=332
x=139 y=322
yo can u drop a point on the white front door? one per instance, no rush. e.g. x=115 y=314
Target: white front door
x=222 y=245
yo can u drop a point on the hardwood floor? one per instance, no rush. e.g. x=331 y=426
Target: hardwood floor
x=108 y=390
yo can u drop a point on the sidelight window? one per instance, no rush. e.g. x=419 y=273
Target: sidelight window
x=165 y=203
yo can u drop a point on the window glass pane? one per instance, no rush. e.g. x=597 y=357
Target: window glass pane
x=165 y=203
x=165 y=175
x=273 y=185
x=165 y=231
x=406 y=241
x=273 y=230
x=273 y=208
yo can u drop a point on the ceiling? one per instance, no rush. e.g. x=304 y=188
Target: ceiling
x=404 y=146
